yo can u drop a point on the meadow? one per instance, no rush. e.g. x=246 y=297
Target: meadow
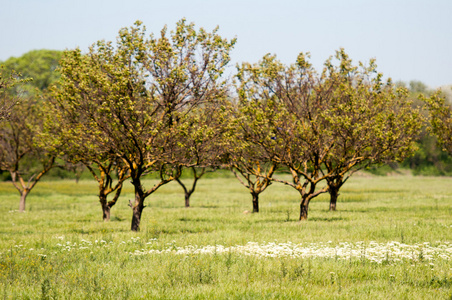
x=390 y=238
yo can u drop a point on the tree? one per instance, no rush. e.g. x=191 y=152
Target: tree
x=131 y=95
x=371 y=122
x=440 y=119
x=19 y=153
x=76 y=148
x=250 y=148
x=416 y=87
x=77 y=141
x=301 y=140
x=76 y=168
x=102 y=94
x=330 y=128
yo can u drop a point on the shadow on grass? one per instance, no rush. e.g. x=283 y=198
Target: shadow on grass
x=207 y=206
x=177 y=206
x=375 y=191
x=95 y=231
x=184 y=219
x=206 y=220
x=280 y=220
x=330 y=219
x=354 y=210
x=159 y=231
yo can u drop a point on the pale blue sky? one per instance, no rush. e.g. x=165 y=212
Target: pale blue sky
x=411 y=39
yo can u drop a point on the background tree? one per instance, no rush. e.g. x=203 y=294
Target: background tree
x=440 y=119
x=133 y=93
x=9 y=91
x=77 y=169
x=256 y=177
x=37 y=64
x=430 y=159
x=196 y=174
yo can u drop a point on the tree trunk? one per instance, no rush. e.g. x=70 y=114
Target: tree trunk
x=137 y=207
x=304 y=207
x=106 y=213
x=334 y=193
x=136 y=217
x=23 y=198
x=334 y=185
x=105 y=208
x=187 y=199
x=189 y=192
x=255 y=202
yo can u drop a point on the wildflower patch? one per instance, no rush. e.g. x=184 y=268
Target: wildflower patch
x=375 y=252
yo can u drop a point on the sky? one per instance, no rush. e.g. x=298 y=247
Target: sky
x=410 y=39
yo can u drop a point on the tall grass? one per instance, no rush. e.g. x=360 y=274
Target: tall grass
x=61 y=248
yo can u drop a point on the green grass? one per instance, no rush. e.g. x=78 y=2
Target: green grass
x=61 y=249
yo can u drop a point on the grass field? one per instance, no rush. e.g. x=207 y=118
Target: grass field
x=391 y=238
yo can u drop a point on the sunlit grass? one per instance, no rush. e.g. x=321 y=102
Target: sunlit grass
x=61 y=248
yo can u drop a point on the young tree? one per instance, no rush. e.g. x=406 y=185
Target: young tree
x=19 y=152
x=200 y=142
x=131 y=95
x=196 y=173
